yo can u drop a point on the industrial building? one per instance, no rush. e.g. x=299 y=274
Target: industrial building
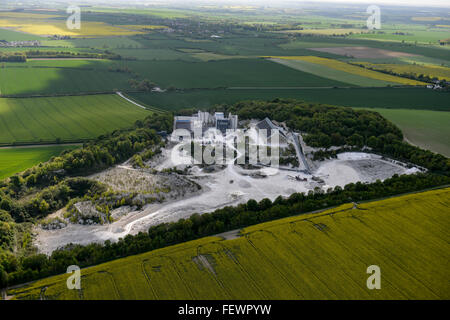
x=204 y=121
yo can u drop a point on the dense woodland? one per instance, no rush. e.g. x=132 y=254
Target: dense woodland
x=47 y=187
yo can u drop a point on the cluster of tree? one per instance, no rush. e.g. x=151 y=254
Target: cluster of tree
x=7 y=231
x=12 y=57
x=142 y=85
x=15 y=270
x=138 y=160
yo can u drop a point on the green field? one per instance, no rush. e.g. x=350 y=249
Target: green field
x=422 y=50
x=407 y=34
x=10 y=35
x=69 y=118
x=329 y=73
x=151 y=54
x=247 y=45
x=83 y=76
x=316 y=256
x=426 y=129
x=14 y=160
x=59 y=76
x=227 y=73
x=105 y=43
x=392 y=98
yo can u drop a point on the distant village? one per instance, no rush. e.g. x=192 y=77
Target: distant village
x=17 y=44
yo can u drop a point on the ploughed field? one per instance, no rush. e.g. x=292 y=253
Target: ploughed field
x=68 y=118
x=315 y=256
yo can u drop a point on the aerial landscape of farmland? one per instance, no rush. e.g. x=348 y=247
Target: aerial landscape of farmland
x=224 y=150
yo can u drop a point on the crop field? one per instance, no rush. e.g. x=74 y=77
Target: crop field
x=363 y=52
x=10 y=35
x=59 y=76
x=52 y=46
x=111 y=42
x=44 y=24
x=342 y=47
x=392 y=98
x=426 y=129
x=163 y=13
x=439 y=72
x=425 y=36
x=327 y=32
x=13 y=160
x=135 y=27
x=345 y=67
x=68 y=118
x=331 y=73
x=315 y=256
x=231 y=45
x=226 y=73
x=153 y=54
x=210 y=56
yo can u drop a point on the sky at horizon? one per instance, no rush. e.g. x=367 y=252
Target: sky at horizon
x=423 y=3
x=394 y=2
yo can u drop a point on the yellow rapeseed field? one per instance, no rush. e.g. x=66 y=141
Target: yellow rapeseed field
x=43 y=24
x=313 y=256
x=440 y=72
x=427 y=19
x=342 y=66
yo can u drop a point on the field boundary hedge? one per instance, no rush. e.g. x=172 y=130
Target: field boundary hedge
x=77 y=94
